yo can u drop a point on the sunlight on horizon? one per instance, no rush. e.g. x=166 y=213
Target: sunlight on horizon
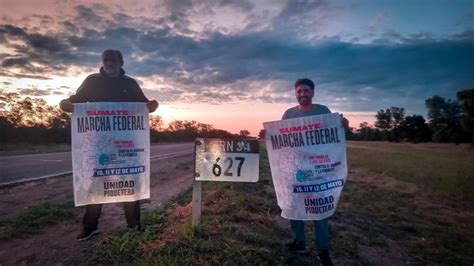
x=231 y=117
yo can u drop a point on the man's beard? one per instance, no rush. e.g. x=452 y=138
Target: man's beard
x=304 y=100
x=111 y=71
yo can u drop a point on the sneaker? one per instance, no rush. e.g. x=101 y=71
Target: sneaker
x=87 y=233
x=325 y=259
x=294 y=247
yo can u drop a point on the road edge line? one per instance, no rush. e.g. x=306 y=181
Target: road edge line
x=40 y=178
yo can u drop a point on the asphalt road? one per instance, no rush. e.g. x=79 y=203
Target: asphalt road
x=35 y=166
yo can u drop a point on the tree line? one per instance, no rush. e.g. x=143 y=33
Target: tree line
x=187 y=131
x=448 y=121
x=33 y=121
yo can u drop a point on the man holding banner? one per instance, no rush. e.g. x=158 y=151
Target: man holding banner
x=110 y=143
x=307 y=156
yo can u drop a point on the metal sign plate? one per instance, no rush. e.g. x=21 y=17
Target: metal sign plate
x=234 y=160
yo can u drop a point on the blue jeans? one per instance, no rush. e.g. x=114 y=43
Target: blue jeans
x=321 y=233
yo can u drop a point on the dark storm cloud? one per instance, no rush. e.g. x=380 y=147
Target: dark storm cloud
x=44 y=18
x=12 y=30
x=466 y=19
x=165 y=94
x=12 y=61
x=121 y=18
x=467 y=36
x=69 y=27
x=87 y=15
x=62 y=90
x=42 y=42
x=34 y=92
x=38 y=54
x=245 y=6
x=122 y=38
x=303 y=20
x=219 y=66
x=411 y=71
x=222 y=59
x=20 y=75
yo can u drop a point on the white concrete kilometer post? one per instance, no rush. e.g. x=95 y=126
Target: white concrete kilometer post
x=231 y=160
x=197 y=193
x=197 y=202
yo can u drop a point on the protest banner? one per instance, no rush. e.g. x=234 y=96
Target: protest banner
x=308 y=164
x=110 y=152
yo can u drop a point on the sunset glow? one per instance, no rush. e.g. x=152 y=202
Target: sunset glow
x=233 y=64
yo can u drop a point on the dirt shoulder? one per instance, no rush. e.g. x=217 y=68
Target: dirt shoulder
x=55 y=244
x=380 y=220
x=385 y=221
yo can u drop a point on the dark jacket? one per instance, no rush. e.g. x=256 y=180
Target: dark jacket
x=101 y=88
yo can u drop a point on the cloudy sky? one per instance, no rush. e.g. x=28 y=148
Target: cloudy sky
x=233 y=63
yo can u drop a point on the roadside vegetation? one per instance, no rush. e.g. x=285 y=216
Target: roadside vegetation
x=402 y=204
x=444 y=168
x=9 y=149
x=30 y=123
x=380 y=220
x=238 y=227
x=31 y=120
x=35 y=218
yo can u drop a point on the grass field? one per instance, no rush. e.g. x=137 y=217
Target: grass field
x=403 y=204
x=445 y=168
x=35 y=218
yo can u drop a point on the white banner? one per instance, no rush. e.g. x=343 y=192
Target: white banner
x=308 y=164
x=110 y=152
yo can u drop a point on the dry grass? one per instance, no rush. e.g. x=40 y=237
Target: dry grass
x=381 y=219
x=446 y=168
x=25 y=148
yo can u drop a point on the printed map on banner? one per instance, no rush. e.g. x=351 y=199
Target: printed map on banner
x=110 y=152
x=308 y=164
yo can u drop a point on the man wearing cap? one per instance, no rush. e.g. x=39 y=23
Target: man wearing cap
x=109 y=85
x=304 y=92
